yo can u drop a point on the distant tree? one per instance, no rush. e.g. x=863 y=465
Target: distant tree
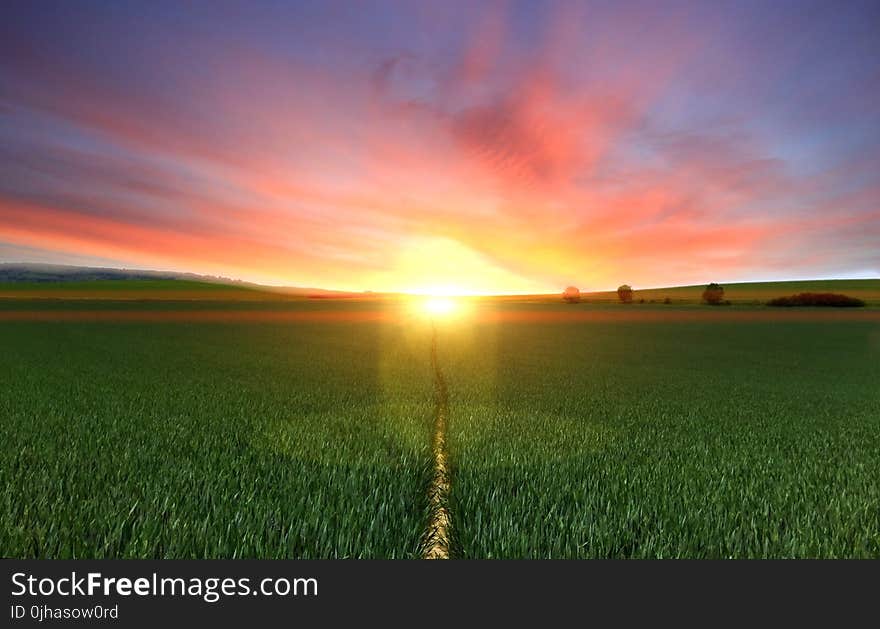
x=714 y=294
x=571 y=295
x=625 y=294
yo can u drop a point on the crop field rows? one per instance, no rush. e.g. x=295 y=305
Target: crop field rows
x=563 y=437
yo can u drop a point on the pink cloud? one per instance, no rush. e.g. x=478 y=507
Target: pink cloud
x=550 y=165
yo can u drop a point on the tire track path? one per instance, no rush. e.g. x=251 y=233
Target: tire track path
x=435 y=544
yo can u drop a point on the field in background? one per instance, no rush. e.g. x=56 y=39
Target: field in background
x=754 y=293
x=668 y=435
x=867 y=290
x=749 y=293
x=131 y=290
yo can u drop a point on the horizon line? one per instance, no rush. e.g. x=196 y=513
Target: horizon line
x=419 y=292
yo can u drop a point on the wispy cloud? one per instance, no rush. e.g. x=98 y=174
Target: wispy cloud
x=537 y=145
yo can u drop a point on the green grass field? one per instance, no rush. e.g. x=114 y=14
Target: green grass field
x=211 y=440
x=666 y=439
x=721 y=436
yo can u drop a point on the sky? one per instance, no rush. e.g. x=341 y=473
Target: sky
x=442 y=146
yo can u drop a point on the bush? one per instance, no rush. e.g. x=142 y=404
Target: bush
x=667 y=301
x=714 y=294
x=834 y=300
x=625 y=294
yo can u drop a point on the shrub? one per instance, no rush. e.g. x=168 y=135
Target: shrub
x=834 y=300
x=714 y=294
x=571 y=295
x=667 y=301
x=625 y=294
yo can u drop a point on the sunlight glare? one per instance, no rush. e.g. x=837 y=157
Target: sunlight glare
x=439 y=306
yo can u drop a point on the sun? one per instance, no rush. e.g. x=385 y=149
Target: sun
x=438 y=306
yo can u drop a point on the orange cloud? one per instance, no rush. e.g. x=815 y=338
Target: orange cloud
x=509 y=168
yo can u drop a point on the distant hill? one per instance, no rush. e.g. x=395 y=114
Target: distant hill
x=751 y=292
x=33 y=273
x=19 y=280
x=738 y=292
x=52 y=281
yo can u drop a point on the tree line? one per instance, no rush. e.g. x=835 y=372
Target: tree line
x=713 y=295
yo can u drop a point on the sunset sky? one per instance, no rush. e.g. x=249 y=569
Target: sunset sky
x=474 y=146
